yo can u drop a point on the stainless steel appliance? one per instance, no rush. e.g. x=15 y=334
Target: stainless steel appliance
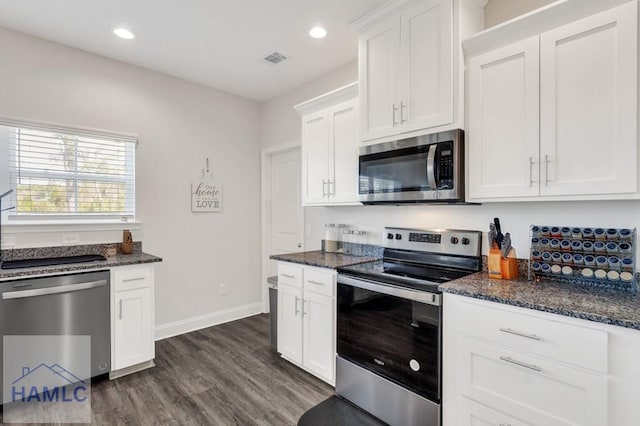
x=77 y=304
x=427 y=168
x=389 y=323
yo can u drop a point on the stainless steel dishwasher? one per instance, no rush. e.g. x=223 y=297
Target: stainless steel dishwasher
x=76 y=304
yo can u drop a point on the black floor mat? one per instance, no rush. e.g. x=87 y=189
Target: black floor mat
x=336 y=411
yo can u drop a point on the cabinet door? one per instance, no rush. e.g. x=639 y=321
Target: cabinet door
x=534 y=389
x=379 y=55
x=133 y=327
x=426 y=65
x=588 y=105
x=343 y=145
x=290 y=323
x=315 y=158
x=503 y=136
x=471 y=413
x=319 y=347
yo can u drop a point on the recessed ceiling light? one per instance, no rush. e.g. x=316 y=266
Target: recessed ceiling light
x=318 y=32
x=124 y=33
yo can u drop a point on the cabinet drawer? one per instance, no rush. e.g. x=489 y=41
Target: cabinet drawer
x=573 y=344
x=131 y=278
x=290 y=274
x=534 y=389
x=321 y=281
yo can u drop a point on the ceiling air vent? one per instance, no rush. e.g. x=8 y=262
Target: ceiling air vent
x=275 y=57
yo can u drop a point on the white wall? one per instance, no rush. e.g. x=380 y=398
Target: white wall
x=179 y=124
x=280 y=123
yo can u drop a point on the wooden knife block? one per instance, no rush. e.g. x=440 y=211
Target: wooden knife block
x=499 y=268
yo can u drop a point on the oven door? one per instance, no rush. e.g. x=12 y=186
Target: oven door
x=391 y=331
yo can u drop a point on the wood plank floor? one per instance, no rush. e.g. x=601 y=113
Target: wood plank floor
x=222 y=375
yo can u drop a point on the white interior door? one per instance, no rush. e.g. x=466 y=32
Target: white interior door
x=285 y=206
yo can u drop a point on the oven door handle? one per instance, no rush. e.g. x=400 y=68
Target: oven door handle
x=431 y=167
x=391 y=290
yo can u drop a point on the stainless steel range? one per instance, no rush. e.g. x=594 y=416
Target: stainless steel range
x=389 y=323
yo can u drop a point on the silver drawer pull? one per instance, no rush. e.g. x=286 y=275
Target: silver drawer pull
x=521 y=334
x=520 y=363
x=288 y=276
x=315 y=282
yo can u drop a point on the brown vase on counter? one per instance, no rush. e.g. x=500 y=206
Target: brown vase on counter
x=127 y=242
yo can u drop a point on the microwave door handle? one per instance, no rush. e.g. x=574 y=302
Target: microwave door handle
x=431 y=167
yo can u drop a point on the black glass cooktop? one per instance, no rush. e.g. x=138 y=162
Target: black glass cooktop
x=420 y=277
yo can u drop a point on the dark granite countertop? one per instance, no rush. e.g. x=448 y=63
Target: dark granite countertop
x=578 y=301
x=322 y=259
x=137 y=257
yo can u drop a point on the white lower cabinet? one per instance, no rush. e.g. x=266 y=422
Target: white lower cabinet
x=290 y=323
x=472 y=413
x=504 y=365
x=132 y=317
x=306 y=318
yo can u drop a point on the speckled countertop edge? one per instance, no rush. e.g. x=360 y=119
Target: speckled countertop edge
x=111 y=262
x=322 y=259
x=588 y=303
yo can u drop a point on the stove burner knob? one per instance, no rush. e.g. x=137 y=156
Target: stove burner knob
x=389 y=236
x=465 y=241
x=398 y=236
x=454 y=240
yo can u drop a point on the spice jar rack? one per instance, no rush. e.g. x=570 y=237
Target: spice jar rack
x=601 y=257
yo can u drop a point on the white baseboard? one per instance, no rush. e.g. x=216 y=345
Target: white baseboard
x=203 y=321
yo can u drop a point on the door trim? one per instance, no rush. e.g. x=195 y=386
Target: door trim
x=265 y=162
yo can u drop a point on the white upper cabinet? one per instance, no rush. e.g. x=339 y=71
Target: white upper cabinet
x=378 y=63
x=554 y=116
x=588 y=99
x=408 y=66
x=330 y=148
x=315 y=137
x=504 y=121
x=426 y=66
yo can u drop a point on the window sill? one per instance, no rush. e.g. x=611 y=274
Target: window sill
x=29 y=226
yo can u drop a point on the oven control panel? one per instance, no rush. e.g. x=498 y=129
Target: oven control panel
x=420 y=237
x=445 y=241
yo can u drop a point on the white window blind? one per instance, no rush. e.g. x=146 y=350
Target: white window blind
x=58 y=172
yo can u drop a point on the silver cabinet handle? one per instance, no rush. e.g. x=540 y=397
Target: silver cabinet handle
x=521 y=334
x=315 y=282
x=128 y=280
x=52 y=290
x=120 y=310
x=296 y=307
x=531 y=163
x=520 y=363
x=304 y=311
x=402 y=107
x=324 y=191
x=546 y=170
x=329 y=183
x=288 y=276
x=393 y=112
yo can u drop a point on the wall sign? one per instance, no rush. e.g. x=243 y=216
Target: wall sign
x=206 y=197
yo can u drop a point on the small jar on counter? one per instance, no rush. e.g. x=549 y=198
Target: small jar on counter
x=333 y=236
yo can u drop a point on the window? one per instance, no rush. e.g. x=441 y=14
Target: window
x=62 y=173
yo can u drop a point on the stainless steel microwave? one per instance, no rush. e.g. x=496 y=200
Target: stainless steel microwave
x=422 y=169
